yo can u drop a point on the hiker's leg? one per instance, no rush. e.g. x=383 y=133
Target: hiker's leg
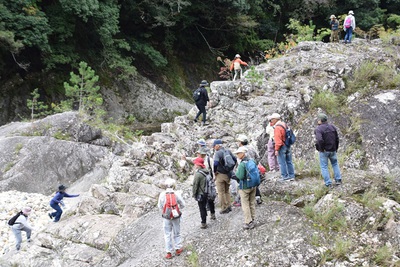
x=323 y=162
x=289 y=163
x=335 y=166
x=167 y=234
x=203 y=211
x=18 y=238
x=176 y=226
x=245 y=200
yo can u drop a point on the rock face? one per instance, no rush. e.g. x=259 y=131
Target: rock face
x=115 y=222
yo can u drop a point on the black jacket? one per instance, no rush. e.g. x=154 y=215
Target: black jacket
x=327 y=138
x=203 y=97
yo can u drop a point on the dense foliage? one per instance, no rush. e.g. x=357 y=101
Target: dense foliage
x=114 y=36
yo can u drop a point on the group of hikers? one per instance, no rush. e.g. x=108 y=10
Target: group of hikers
x=349 y=24
x=212 y=169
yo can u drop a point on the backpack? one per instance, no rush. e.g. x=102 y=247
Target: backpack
x=14 y=218
x=290 y=137
x=236 y=65
x=197 y=94
x=252 y=174
x=347 y=23
x=228 y=161
x=210 y=186
x=171 y=209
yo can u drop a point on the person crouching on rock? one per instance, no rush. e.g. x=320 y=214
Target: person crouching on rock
x=22 y=224
x=57 y=200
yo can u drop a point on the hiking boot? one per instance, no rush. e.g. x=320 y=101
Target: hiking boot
x=29 y=240
x=251 y=225
x=51 y=216
x=338 y=182
x=330 y=186
x=168 y=256
x=213 y=216
x=258 y=200
x=229 y=209
x=178 y=251
x=203 y=226
x=195 y=121
x=246 y=226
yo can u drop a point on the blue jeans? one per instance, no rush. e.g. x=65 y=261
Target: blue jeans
x=323 y=162
x=172 y=230
x=285 y=163
x=347 y=37
x=57 y=213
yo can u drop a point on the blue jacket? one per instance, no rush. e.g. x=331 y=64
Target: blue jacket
x=59 y=196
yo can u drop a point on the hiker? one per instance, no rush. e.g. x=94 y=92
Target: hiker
x=236 y=65
x=283 y=152
x=208 y=160
x=199 y=185
x=272 y=159
x=22 y=224
x=222 y=174
x=334 y=29
x=327 y=144
x=247 y=194
x=172 y=228
x=57 y=200
x=251 y=154
x=349 y=25
x=201 y=101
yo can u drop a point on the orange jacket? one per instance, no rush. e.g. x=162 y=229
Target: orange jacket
x=239 y=61
x=279 y=134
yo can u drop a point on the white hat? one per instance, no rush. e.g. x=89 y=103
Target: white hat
x=351 y=12
x=26 y=210
x=237 y=55
x=242 y=138
x=274 y=116
x=170 y=183
x=333 y=17
x=241 y=149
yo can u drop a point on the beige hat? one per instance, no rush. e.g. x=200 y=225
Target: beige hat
x=333 y=17
x=242 y=138
x=241 y=149
x=237 y=55
x=274 y=116
x=351 y=12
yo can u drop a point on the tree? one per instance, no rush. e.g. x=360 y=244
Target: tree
x=38 y=108
x=83 y=88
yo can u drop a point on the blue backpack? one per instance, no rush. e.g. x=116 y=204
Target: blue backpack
x=252 y=174
x=290 y=137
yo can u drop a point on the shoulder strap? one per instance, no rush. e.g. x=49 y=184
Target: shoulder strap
x=209 y=164
x=205 y=176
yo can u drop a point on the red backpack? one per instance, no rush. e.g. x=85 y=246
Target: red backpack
x=171 y=209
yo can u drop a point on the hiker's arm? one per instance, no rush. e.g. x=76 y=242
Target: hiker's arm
x=68 y=195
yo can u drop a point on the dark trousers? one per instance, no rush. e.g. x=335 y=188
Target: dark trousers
x=258 y=193
x=203 y=208
x=202 y=110
x=57 y=213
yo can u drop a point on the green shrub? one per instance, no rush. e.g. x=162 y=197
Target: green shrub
x=382 y=256
x=341 y=247
x=327 y=101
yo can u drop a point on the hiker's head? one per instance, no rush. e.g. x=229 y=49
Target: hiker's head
x=217 y=144
x=274 y=118
x=26 y=210
x=203 y=83
x=199 y=163
x=170 y=183
x=333 y=17
x=202 y=152
x=351 y=12
x=242 y=139
x=201 y=142
x=237 y=56
x=62 y=188
x=241 y=152
x=322 y=118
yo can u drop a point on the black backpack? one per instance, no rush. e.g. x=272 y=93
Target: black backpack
x=197 y=94
x=14 y=218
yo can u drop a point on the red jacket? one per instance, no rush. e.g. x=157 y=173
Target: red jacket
x=279 y=134
x=239 y=61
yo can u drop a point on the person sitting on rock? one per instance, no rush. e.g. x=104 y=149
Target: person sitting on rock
x=22 y=224
x=56 y=201
x=236 y=65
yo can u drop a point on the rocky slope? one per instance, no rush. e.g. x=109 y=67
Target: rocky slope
x=115 y=222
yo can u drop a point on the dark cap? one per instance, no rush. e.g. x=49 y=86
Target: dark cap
x=322 y=117
x=217 y=142
x=62 y=187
